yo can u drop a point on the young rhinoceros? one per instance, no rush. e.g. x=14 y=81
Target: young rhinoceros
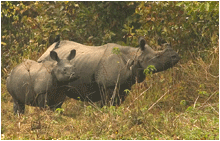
x=40 y=84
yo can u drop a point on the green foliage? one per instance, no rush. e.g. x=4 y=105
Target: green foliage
x=127 y=91
x=183 y=102
x=30 y=27
x=189 y=25
x=149 y=70
x=116 y=50
x=189 y=109
x=203 y=93
x=59 y=110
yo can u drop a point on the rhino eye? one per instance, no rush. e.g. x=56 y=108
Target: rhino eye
x=64 y=70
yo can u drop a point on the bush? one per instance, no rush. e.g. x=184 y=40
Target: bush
x=28 y=28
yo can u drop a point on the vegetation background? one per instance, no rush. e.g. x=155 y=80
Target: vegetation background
x=180 y=103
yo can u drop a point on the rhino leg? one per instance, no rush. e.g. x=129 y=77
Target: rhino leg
x=53 y=104
x=59 y=105
x=18 y=107
x=39 y=100
x=106 y=94
x=54 y=107
x=56 y=99
x=110 y=96
x=120 y=97
x=140 y=75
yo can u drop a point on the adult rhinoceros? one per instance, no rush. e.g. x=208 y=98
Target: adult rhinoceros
x=101 y=70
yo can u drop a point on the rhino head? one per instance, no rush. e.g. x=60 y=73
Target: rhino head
x=161 y=60
x=63 y=70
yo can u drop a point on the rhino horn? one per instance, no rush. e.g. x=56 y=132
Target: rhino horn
x=142 y=42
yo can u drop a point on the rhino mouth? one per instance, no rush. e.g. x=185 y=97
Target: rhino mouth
x=168 y=65
x=73 y=77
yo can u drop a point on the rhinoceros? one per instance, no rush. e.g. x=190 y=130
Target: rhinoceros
x=105 y=70
x=39 y=84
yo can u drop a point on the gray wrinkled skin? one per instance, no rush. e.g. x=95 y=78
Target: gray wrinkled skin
x=100 y=70
x=40 y=84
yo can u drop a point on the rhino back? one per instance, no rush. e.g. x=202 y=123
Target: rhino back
x=65 y=43
x=97 y=62
x=86 y=60
x=114 y=67
x=27 y=80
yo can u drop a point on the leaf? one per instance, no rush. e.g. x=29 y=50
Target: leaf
x=76 y=5
x=31 y=41
x=207 y=6
x=179 y=3
x=67 y=29
x=116 y=50
x=61 y=8
x=202 y=7
x=51 y=21
x=183 y=102
x=3 y=43
x=127 y=91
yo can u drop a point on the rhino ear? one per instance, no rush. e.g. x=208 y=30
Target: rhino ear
x=54 y=56
x=72 y=54
x=142 y=42
x=166 y=45
x=57 y=45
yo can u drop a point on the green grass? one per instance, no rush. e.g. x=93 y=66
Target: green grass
x=180 y=103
